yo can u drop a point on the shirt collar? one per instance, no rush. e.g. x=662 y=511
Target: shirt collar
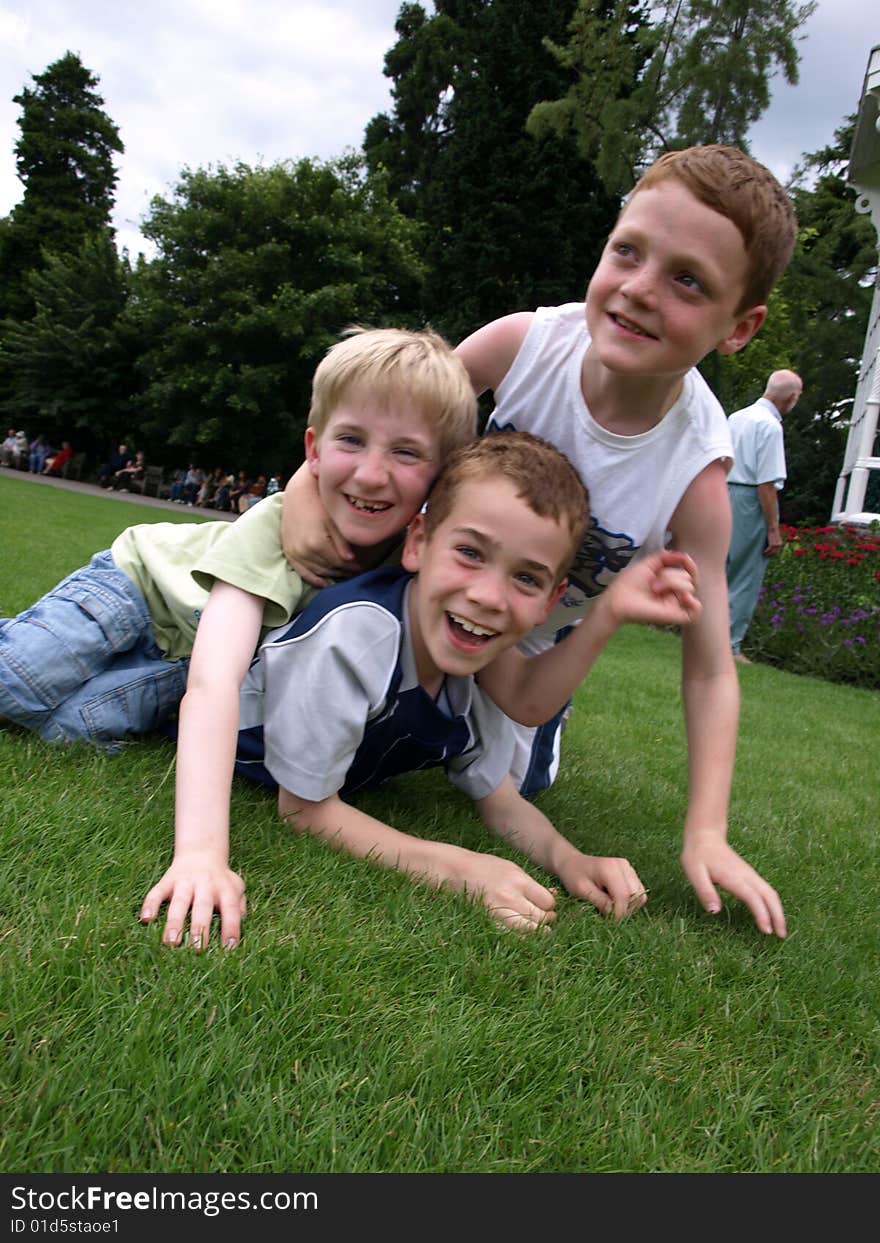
x=765 y=401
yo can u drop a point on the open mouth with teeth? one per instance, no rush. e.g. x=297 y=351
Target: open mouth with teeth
x=628 y=326
x=367 y=507
x=467 y=634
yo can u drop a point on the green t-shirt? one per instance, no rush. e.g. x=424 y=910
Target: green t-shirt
x=174 y=565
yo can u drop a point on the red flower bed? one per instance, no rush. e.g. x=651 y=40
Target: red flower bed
x=819 y=609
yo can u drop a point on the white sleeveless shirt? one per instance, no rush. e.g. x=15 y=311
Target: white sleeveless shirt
x=634 y=482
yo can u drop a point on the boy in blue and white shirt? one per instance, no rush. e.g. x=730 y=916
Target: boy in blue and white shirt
x=377 y=677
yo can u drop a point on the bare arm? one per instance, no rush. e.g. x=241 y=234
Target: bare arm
x=199 y=879
x=612 y=885
x=658 y=590
x=489 y=352
x=769 y=502
x=512 y=897
x=710 y=689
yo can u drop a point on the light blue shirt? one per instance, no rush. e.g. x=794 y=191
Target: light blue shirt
x=758 y=449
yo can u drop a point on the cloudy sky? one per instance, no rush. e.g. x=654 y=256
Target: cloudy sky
x=199 y=82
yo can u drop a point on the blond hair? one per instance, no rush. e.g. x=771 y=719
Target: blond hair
x=730 y=182
x=396 y=364
x=543 y=477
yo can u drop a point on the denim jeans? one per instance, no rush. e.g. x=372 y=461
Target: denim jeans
x=82 y=663
x=746 y=563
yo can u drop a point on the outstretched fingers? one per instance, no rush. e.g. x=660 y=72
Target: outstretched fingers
x=766 y=907
x=194 y=900
x=723 y=868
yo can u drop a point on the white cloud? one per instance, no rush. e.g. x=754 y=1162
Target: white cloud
x=198 y=82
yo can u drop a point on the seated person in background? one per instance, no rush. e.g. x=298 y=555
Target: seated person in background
x=376 y=678
x=118 y=459
x=193 y=481
x=176 y=490
x=221 y=496
x=273 y=485
x=256 y=491
x=56 y=461
x=7 y=448
x=210 y=484
x=20 y=452
x=38 y=451
x=238 y=489
x=126 y=475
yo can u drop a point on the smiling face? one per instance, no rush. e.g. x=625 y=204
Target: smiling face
x=374 y=463
x=487 y=574
x=668 y=287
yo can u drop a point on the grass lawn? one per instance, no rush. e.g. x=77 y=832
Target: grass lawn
x=365 y=1024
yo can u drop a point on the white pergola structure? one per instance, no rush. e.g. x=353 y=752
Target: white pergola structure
x=862 y=457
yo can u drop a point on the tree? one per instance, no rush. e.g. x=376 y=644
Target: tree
x=64 y=159
x=508 y=221
x=829 y=286
x=258 y=272
x=697 y=72
x=72 y=365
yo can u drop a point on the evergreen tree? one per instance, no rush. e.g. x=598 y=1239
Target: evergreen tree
x=816 y=326
x=508 y=222
x=71 y=366
x=64 y=158
x=674 y=75
x=829 y=286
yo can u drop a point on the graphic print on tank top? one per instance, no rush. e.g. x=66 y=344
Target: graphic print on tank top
x=601 y=555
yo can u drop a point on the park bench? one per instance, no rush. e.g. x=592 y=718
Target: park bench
x=73 y=467
x=152 y=482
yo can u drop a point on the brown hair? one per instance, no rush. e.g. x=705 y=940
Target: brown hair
x=542 y=476
x=730 y=182
x=398 y=364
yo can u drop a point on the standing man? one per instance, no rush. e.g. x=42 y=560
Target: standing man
x=757 y=476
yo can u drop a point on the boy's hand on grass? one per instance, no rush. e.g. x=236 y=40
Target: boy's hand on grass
x=612 y=885
x=658 y=590
x=196 y=885
x=512 y=897
x=709 y=861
